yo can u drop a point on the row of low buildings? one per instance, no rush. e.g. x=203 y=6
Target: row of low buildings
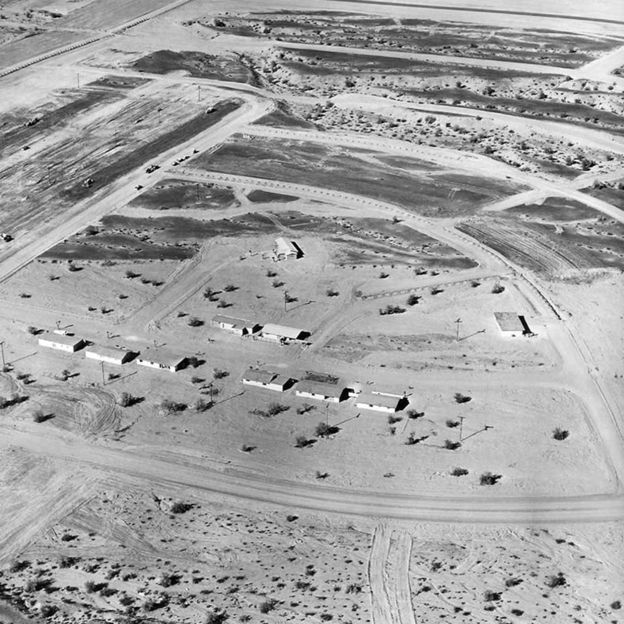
x=150 y=357
x=325 y=388
x=270 y=331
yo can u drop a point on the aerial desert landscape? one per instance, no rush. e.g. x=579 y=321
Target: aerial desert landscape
x=311 y=312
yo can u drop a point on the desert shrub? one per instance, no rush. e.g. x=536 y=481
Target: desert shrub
x=560 y=434
x=32 y=330
x=48 y=610
x=615 y=605
x=459 y=472
x=246 y=448
x=73 y=268
x=557 y=580
x=194 y=322
x=394 y=419
x=223 y=304
x=270 y=273
x=217 y=617
x=90 y=587
x=127 y=400
x=201 y=405
x=197 y=380
x=451 y=446
x=513 y=581
x=39 y=417
x=391 y=309
x=413 y=300
x=497 y=289
x=67 y=562
x=107 y=591
x=230 y=288
x=168 y=580
x=412 y=439
x=4 y=402
x=323 y=430
x=305 y=408
x=219 y=374
x=18 y=566
x=413 y=414
x=268 y=605
x=451 y=424
x=331 y=292
x=436 y=290
x=170 y=407
x=180 y=507
x=277 y=283
x=302 y=441
x=131 y=274
x=321 y=475
x=276 y=408
x=126 y=600
x=461 y=398
x=490 y=596
x=487 y=478
x=353 y=588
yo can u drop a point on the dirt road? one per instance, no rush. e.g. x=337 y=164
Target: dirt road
x=144 y=465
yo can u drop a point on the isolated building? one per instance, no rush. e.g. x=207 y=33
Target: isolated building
x=511 y=324
x=285 y=249
x=321 y=390
x=161 y=359
x=237 y=326
x=283 y=333
x=380 y=402
x=61 y=342
x=267 y=379
x=110 y=355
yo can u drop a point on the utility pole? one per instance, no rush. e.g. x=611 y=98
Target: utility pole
x=327 y=414
x=103 y=378
x=58 y=324
x=199 y=93
x=2 y=349
x=461 y=428
x=458 y=321
x=285 y=299
x=78 y=80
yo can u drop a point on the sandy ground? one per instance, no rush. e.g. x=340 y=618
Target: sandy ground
x=174 y=514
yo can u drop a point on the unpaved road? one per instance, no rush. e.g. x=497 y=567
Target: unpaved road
x=143 y=465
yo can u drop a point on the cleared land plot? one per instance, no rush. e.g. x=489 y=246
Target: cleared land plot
x=422 y=189
x=23 y=49
x=260 y=196
x=197 y=64
x=102 y=15
x=419 y=35
x=22 y=129
x=119 y=237
x=119 y=82
x=172 y=194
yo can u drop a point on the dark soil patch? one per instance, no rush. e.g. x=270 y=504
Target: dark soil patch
x=283 y=117
x=152 y=149
x=342 y=169
x=259 y=197
x=555 y=209
x=174 y=194
x=198 y=64
x=119 y=82
x=121 y=237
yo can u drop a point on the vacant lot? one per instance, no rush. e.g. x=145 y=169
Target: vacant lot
x=196 y=64
x=172 y=194
x=423 y=189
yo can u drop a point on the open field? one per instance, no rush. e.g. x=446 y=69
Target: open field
x=438 y=193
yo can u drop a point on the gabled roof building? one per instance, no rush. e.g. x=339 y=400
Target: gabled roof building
x=267 y=379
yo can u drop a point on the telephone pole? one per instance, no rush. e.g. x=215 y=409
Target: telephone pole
x=461 y=428
x=458 y=321
x=2 y=349
x=285 y=299
x=103 y=378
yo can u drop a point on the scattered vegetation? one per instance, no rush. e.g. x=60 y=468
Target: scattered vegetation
x=560 y=434
x=487 y=478
x=459 y=472
x=462 y=398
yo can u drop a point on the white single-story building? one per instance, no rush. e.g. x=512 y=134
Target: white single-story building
x=267 y=379
x=161 y=359
x=380 y=402
x=110 y=355
x=62 y=342
x=511 y=324
x=283 y=333
x=237 y=326
x=286 y=249
x=321 y=390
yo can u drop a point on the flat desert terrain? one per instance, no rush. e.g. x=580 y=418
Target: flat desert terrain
x=311 y=312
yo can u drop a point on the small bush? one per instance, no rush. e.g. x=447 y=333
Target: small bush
x=305 y=408
x=560 y=434
x=331 y=292
x=616 y=605
x=32 y=330
x=219 y=374
x=91 y=586
x=276 y=408
x=487 y=478
x=131 y=274
x=201 y=405
x=512 y=582
x=277 y=283
x=268 y=605
x=490 y=596
x=459 y=472
x=413 y=414
x=39 y=417
x=217 y=617
x=127 y=400
x=394 y=419
x=170 y=407
x=452 y=424
x=323 y=430
x=461 y=398
x=497 y=289
x=194 y=322
x=413 y=300
x=302 y=441
x=451 y=446
x=230 y=288
x=270 y=273
x=180 y=507
x=557 y=580
x=19 y=566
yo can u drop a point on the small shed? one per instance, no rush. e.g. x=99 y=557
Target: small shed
x=162 y=359
x=237 y=326
x=285 y=249
x=61 y=342
x=110 y=355
x=511 y=324
x=321 y=390
x=283 y=333
x=380 y=402
x=267 y=379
